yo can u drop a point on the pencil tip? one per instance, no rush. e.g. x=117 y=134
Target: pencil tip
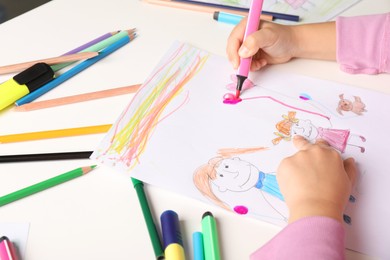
x=131 y=31
x=87 y=169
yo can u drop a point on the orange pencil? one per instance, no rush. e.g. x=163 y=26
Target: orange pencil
x=201 y=8
x=50 y=61
x=77 y=98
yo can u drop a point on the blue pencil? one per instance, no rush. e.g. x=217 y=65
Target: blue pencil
x=281 y=16
x=72 y=72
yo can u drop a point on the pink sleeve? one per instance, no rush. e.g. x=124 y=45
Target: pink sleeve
x=307 y=238
x=363 y=43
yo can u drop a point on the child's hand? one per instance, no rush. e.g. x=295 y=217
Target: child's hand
x=272 y=44
x=316 y=181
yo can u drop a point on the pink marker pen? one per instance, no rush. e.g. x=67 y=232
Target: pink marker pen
x=251 y=26
x=7 y=250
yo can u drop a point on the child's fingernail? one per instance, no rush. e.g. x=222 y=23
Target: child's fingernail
x=235 y=64
x=243 y=51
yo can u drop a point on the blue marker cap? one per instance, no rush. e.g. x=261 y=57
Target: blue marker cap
x=170 y=228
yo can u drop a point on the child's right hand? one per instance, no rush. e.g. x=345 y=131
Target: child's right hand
x=271 y=44
x=275 y=43
x=316 y=181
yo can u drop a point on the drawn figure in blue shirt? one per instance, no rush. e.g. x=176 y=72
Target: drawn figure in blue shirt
x=233 y=174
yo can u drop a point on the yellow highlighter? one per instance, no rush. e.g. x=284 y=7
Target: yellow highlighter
x=24 y=83
x=173 y=242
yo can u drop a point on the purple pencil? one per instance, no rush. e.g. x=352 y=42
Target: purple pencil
x=93 y=42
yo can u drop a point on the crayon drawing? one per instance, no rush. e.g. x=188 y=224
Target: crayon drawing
x=234 y=175
x=345 y=105
x=337 y=138
x=178 y=134
x=129 y=141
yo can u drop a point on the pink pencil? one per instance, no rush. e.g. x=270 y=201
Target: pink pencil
x=77 y=98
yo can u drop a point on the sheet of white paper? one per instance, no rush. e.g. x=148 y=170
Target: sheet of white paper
x=18 y=234
x=178 y=134
x=309 y=11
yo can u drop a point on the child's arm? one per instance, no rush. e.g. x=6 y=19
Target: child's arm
x=360 y=44
x=308 y=238
x=363 y=44
x=316 y=184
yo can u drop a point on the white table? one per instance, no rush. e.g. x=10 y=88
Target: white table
x=98 y=216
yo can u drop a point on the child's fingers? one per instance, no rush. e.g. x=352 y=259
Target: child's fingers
x=234 y=43
x=258 y=40
x=300 y=142
x=322 y=142
x=350 y=168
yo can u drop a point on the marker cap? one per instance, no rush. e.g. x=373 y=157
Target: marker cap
x=24 y=83
x=35 y=76
x=170 y=228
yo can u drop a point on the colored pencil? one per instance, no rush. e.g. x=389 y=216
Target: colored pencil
x=201 y=8
x=77 y=98
x=44 y=185
x=98 y=45
x=50 y=61
x=91 y=43
x=75 y=70
x=241 y=10
x=44 y=157
x=96 y=129
x=281 y=16
x=151 y=226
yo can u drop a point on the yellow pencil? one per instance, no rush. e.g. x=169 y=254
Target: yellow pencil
x=50 y=61
x=96 y=129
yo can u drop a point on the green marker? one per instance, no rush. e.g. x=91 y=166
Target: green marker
x=210 y=237
x=153 y=234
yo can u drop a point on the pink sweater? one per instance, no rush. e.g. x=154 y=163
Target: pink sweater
x=363 y=44
x=319 y=238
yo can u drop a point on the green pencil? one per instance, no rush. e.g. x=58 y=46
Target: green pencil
x=153 y=234
x=99 y=46
x=45 y=185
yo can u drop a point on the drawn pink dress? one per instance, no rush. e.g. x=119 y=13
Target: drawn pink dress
x=336 y=138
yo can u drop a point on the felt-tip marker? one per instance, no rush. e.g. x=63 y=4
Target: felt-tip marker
x=227 y=17
x=25 y=82
x=234 y=19
x=210 y=237
x=173 y=242
x=7 y=249
x=251 y=26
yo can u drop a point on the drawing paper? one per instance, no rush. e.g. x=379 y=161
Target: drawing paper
x=178 y=134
